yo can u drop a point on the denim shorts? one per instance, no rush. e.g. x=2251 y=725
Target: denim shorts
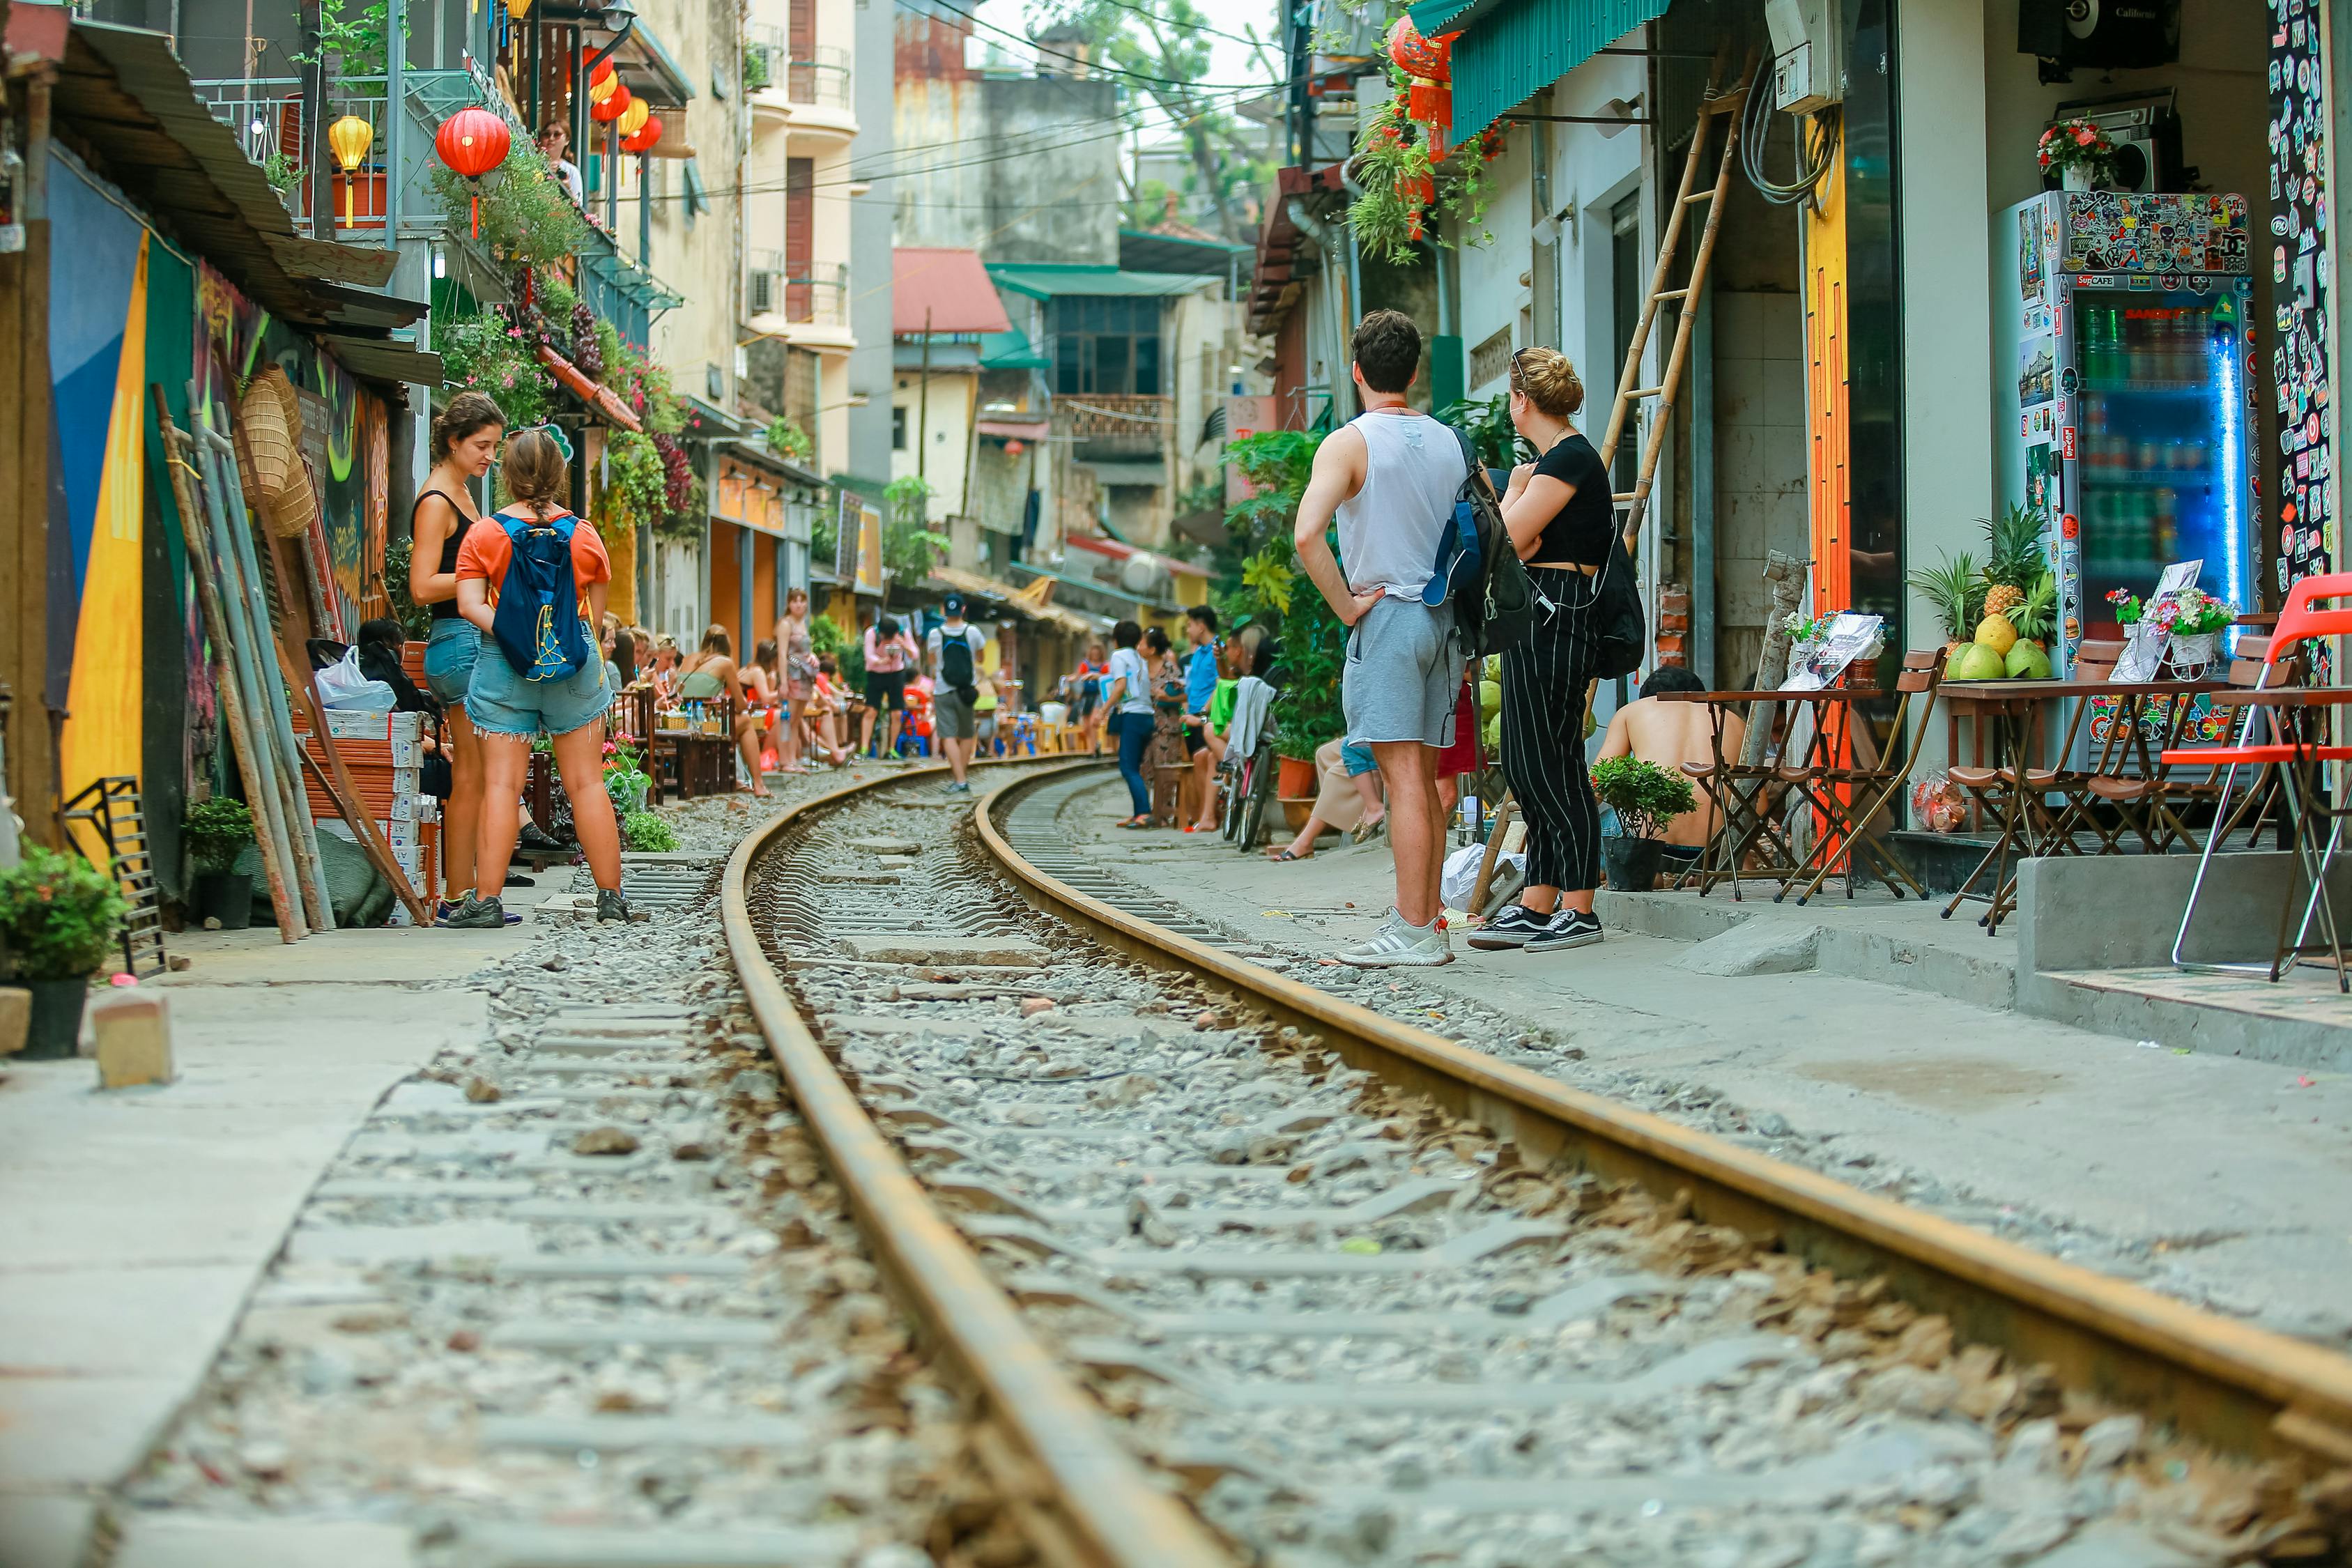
x=450 y=660
x=502 y=702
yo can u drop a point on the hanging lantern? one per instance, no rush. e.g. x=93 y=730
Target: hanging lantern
x=601 y=70
x=1016 y=447
x=612 y=105
x=647 y=134
x=518 y=9
x=1429 y=63
x=350 y=137
x=602 y=88
x=472 y=143
x=633 y=119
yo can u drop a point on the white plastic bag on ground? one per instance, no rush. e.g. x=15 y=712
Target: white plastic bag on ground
x=340 y=685
x=1459 y=878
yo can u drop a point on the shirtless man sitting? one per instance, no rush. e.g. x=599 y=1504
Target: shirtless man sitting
x=1669 y=734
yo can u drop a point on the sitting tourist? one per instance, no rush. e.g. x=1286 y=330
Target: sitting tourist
x=710 y=674
x=1670 y=734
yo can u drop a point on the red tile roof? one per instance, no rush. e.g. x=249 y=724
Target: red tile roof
x=950 y=287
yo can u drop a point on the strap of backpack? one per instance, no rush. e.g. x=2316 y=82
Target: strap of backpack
x=1470 y=458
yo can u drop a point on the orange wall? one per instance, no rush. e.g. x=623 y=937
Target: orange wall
x=763 y=593
x=726 y=583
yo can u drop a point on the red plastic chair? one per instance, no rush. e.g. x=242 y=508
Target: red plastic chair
x=2294 y=750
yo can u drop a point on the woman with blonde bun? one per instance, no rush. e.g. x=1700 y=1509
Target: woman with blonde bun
x=1562 y=521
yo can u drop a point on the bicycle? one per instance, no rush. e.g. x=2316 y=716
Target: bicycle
x=1249 y=790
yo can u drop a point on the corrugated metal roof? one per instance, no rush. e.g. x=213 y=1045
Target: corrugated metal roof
x=1509 y=49
x=943 y=291
x=1049 y=281
x=1010 y=350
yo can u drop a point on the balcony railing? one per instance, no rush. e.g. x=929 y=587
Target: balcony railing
x=1112 y=416
x=818 y=76
x=816 y=296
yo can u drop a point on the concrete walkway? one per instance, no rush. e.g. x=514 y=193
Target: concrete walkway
x=2220 y=1179
x=133 y=1224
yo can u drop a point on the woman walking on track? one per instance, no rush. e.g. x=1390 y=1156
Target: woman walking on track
x=532 y=579
x=1127 y=694
x=464 y=439
x=1561 y=519
x=799 y=654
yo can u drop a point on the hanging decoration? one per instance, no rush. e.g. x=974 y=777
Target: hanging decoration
x=350 y=137
x=518 y=9
x=472 y=143
x=601 y=88
x=610 y=107
x=601 y=70
x=646 y=135
x=1429 y=62
x=633 y=119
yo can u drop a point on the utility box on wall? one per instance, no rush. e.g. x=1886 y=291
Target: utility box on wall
x=1808 y=55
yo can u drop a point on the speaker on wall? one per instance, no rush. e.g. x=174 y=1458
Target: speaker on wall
x=2105 y=35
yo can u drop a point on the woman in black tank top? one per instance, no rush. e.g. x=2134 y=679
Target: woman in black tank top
x=464 y=439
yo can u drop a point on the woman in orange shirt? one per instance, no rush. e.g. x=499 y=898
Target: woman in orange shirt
x=509 y=708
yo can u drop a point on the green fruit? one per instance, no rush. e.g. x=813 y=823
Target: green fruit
x=1490 y=697
x=1975 y=662
x=1494 y=733
x=2027 y=662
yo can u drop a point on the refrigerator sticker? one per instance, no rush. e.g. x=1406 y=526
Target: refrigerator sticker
x=2066 y=443
x=2029 y=254
x=2302 y=375
x=2037 y=373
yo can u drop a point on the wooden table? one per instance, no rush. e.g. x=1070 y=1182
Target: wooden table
x=2010 y=710
x=1744 y=821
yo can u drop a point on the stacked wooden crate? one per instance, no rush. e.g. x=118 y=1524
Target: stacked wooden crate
x=385 y=755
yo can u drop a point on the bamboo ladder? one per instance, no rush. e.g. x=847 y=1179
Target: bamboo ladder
x=1713 y=107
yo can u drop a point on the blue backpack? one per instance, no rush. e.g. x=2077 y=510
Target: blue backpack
x=537 y=621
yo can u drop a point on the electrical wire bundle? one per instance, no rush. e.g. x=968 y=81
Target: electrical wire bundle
x=1816 y=144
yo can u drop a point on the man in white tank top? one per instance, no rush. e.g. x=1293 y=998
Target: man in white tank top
x=1388 y=478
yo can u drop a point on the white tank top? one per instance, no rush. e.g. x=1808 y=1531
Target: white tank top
x=1388 y=530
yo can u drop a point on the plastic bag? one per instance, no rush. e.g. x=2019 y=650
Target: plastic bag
x=1938 y=805
x=341 y=685
x=1459 y=879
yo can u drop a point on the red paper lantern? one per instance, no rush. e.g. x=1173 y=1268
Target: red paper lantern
x=647 y=134
x=472 y=143
x=603 y=68
x=1429 y=63
x=604 y=113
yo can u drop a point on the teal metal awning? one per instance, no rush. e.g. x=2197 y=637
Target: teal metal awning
x=1509 y=49
x=1052 y=279
x=1010 y=350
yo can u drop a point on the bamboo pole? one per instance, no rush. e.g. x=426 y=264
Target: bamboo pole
x=220 y=460
x=270 y=835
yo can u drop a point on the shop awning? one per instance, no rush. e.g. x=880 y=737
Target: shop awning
x=1029 y=603
x=595 y=394
x=1010 y=350
x=1052 y=279
x=1509 y=49
x=1016 y=429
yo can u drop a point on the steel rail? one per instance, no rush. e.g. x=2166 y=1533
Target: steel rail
x=2240 y=1389
x=1081 y=1497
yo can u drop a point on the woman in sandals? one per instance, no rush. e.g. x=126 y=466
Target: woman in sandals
x=1127 y=696
x=513 y=696
x=464 y=439
x=798 y=650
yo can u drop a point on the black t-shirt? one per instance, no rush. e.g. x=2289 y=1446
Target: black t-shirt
x=1580 y=530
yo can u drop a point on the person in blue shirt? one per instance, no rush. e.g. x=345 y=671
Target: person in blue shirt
x=1205 y=748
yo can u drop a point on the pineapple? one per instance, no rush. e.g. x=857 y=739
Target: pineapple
x=2017 y=560
x=2033 y=615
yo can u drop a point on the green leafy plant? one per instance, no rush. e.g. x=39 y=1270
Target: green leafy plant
x=488 y=352
x=1957 y=589
x=354 y=38
x=281 y=172
x=58 y=916
x=216 y=830
x=755 y=67
x=2035 y=618
x=526 y=215
x=634 y=494
x=2014 y=558
x=648 y=834
x=910 y=546
x=788 y=440
x=1403 y=185
x=1646 y=796
x=414 y=619
x=1489 y=424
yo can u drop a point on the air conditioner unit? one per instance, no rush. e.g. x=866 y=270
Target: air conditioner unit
x=1808 y=55
x=763 y=293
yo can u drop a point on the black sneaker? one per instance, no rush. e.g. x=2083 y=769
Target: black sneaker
x=1515 y=927
x=532 y=839
x=1570 y=928
x=611 y=906
x=478 y=914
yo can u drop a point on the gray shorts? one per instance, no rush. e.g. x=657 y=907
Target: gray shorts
x=1404 y=673
x=952 y=716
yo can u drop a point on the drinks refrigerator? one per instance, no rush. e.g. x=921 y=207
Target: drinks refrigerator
x=2125 y=385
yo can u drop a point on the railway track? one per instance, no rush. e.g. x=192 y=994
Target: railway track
x=1195 y=1234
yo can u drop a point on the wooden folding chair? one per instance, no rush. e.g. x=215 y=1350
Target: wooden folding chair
x=1748 y=839
x=1852 y=797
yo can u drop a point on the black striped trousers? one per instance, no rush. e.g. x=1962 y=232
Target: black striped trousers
x=1544 y=682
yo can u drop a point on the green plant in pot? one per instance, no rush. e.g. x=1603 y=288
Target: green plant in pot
x=1647 y=798
x=59 y=916
x=216 y=831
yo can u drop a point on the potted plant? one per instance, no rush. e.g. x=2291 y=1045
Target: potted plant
x=1805 y=634
x=1647 y=798
x=2080 y=153
x=624 y=778
x=216 y=831
x=58 y=919
x=2192 y=622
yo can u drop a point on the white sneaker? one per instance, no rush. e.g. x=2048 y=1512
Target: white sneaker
x=1399 y=944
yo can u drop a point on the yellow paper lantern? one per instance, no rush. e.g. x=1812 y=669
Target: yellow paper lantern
x=518 y=9
x=351 y=137
x=633 y=119
x=601 y=89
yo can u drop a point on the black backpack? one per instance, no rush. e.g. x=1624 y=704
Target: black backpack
x=1494 y=598
x=955 y=662
x=1619 y=630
